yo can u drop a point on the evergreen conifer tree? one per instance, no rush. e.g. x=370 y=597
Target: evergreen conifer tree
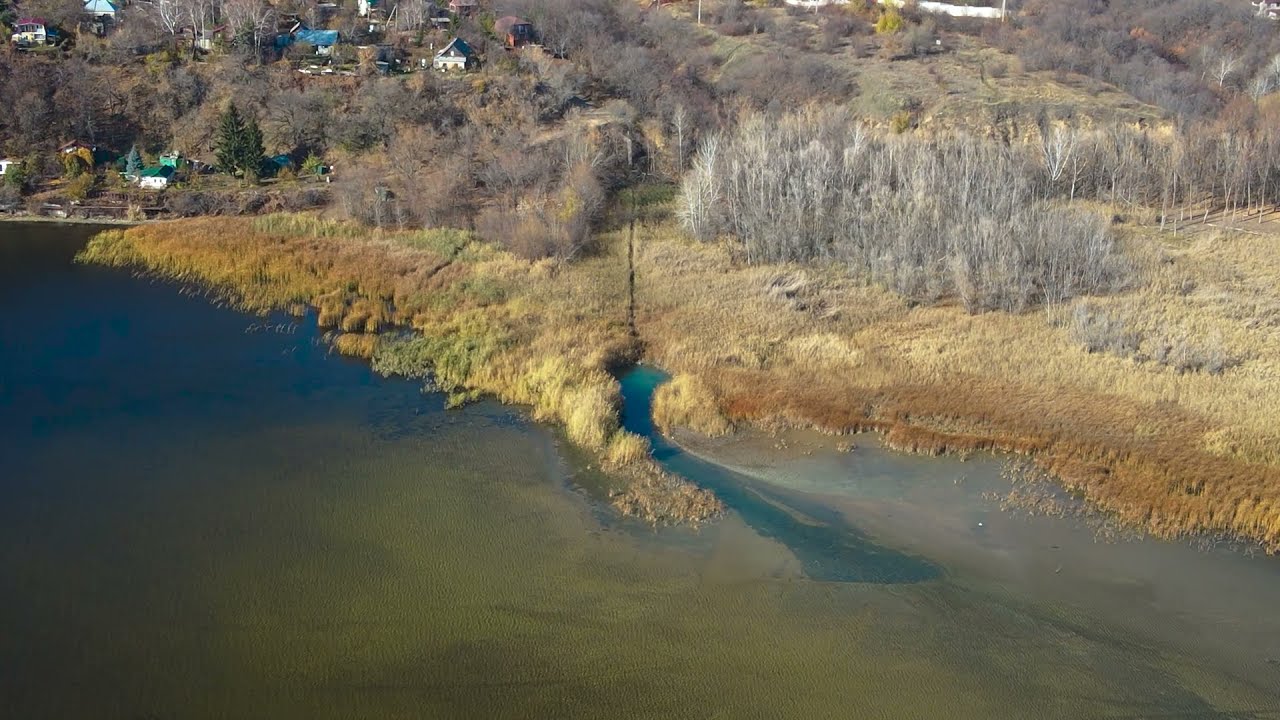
x=239 y=144
x=133 y=163
x=253 y=152
x=230 y=140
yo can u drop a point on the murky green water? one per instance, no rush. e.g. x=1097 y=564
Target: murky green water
x=200 y=519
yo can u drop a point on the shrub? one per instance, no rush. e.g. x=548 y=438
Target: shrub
x=79 y=187
x=1100 y=331
x=9 y=196
x=889 y=23
x=626 y=448
x=1186 y=353
x=18 y=176
x=900 y=122
x=686 y=402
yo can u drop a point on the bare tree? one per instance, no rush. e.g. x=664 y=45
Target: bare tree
x=680 y=126
x=1221 y=64
x=414 y=15
x=701 y=192
x=252 y=19
x=1057 y=148
x=170 y=15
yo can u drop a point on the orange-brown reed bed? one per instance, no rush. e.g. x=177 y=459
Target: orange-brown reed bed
x=1163 y=480
x=485 y=322
x=1136 y=439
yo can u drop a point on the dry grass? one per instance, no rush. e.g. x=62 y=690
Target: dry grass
x=1175 y=452
x=686 y=401
x=487 y=323
x=356 y=344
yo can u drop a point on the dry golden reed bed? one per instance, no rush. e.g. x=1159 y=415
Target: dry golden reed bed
x=486 y=323
x=1175 y=453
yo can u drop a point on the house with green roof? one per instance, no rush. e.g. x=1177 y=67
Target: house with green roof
x=156 y=178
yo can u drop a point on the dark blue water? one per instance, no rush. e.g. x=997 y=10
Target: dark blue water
x=828 y=548
x=168 y=468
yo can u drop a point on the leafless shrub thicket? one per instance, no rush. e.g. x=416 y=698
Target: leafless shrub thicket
x=952 y=216
x=1100 y=331
x=1185 y=352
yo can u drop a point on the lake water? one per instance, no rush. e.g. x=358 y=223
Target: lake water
x=200 y=518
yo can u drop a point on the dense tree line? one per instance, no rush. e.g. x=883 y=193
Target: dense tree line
x=987 y=221
x=929 y=217
x=1188 y=56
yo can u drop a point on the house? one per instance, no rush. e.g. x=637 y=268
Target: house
x=207 y=39
x=513 y=31
x=457 y=55
x=322 y=40
x=278 y=164
x=31 y=31
x=463 y=8
x=76 y=147
x=156 y=178
x=5 y=164
x=99 y=9
x=173 y=160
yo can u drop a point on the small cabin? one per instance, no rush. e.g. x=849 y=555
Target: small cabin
x=322 y=40
x=457 y=55
x=31 y=31
x=513 y=31
x=156 y=178
x=463 y=8
x=77 y=147
x=5 y=164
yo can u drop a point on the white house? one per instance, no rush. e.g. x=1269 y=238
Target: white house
x=30 y=31
x=941 y=8
x=156 y=178
x=457 y=55
x=929 y=6
x=4 y=165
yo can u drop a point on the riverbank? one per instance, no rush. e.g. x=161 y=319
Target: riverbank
x=22 y=218
x=436 y=304
x=1168 y=450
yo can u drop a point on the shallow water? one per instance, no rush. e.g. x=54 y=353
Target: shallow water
x=199 y=519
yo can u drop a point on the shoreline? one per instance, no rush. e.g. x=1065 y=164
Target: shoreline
x=492 y=324
x=105 y=222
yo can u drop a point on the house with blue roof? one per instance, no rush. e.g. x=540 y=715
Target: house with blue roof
x=100 y=9
x=322 y=40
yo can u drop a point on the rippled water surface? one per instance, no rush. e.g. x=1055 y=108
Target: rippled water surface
x=200 y=518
